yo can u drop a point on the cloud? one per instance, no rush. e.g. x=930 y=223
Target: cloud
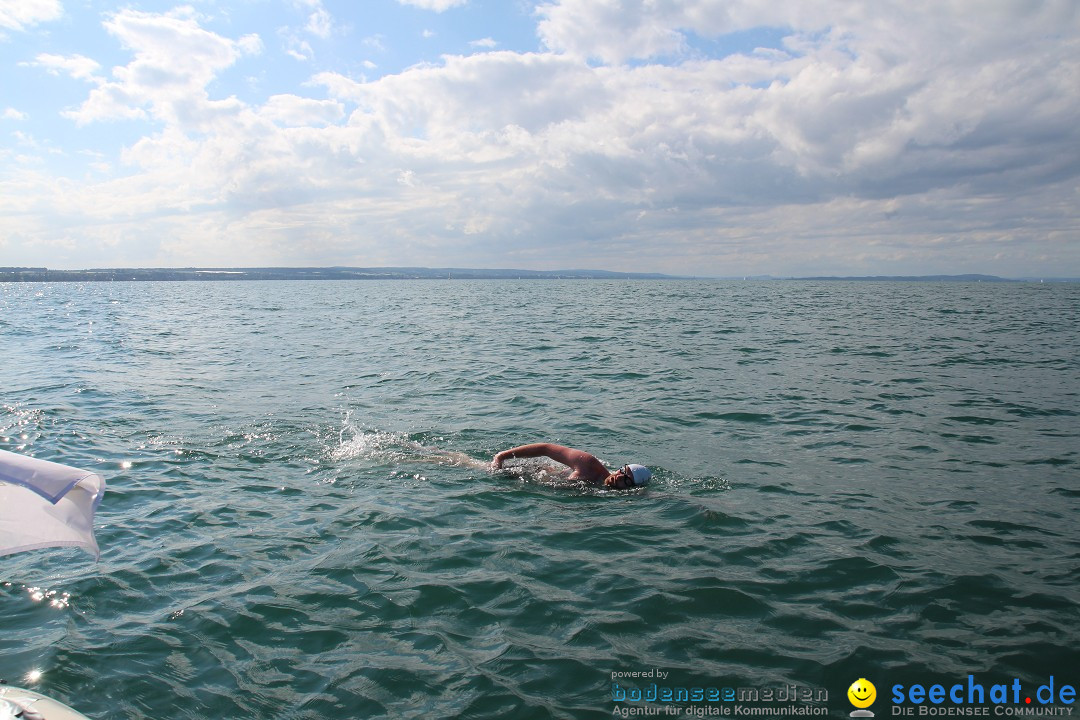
x=609 y=30
x=436 y=5
x=870 y=140
x=484 y=43
x=175 y=59
x=13 y=114
x=250 y=44
x=618 y=30
x=374 y=42
x=868 y=108
x=77 y=66
x=295 y=111
x=21 y=14
x=299 y=49
x=319 y=23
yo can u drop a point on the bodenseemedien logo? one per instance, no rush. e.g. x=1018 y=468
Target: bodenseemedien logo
x=862 y=694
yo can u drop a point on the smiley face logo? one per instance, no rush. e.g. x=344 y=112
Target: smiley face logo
x=862 y=693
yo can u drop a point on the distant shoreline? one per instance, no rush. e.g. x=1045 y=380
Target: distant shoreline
x=39 y=274
x=16 y=274
x=916 y=278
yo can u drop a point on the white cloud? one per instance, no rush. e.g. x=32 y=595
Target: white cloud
x=436 y=5
x=872 y=139
x=175 y=59
x=484 y=43
x=13 y=114
x=295 y=111
x=77 y=66
x=319 y=21
x=250 y=44
x=871 y=108
x=375 y=42
x=111 y=101
x=618 y=30
x=25 y=139
x=609 y=29
x=337 y=85
x=20 y=14
x=299 y=49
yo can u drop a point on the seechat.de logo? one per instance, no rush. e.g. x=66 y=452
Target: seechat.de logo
x=862 y=694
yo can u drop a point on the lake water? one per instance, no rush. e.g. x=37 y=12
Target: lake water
x=851 y=480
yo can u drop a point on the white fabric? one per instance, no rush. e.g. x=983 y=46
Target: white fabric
x=45 y=504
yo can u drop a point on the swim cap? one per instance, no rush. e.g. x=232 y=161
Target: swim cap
x=641 y=474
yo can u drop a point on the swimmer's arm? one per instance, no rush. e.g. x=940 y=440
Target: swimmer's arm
x=555 y=452
x=582 y=462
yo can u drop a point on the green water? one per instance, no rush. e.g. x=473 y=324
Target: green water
x=870 y=480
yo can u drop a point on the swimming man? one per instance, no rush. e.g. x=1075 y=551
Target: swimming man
x=584 y=466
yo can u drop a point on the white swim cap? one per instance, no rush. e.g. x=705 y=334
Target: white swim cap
x=641 y=474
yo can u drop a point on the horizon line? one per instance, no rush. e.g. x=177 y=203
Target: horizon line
x=409 y=272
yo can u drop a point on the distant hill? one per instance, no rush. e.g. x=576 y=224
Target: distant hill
x=40 y=274
x=16 y=274
x=915 y=278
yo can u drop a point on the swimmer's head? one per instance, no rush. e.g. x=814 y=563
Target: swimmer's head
x=640 y=473
x=628 y=476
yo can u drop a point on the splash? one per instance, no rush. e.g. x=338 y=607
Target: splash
x=355 y=441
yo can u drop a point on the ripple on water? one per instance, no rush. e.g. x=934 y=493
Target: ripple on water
x=842 y=485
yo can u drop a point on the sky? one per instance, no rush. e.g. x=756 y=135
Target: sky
x=691 y=137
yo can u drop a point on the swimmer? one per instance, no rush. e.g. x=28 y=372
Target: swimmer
x=583 y=466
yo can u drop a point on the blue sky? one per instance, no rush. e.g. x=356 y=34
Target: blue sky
x=694 y=137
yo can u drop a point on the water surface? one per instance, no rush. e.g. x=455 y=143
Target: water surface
x=851 y=480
